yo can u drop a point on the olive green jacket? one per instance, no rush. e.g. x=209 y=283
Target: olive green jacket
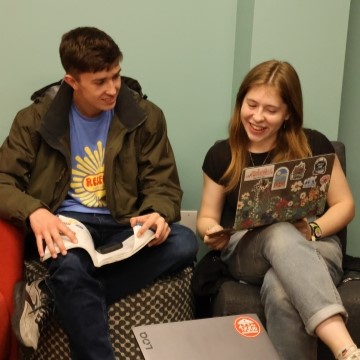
x=140 y=170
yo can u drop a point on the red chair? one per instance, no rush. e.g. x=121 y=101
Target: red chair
x=11 y=265
x=167 y=299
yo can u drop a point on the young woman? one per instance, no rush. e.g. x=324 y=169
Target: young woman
x=298 y=277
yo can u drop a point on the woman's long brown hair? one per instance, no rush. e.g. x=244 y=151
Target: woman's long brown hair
x=291 y=140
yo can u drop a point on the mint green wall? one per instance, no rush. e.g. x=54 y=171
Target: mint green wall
x=243 y=43
x=190 y=57
x=181 y=52
x=349 y=130
x=311 y=35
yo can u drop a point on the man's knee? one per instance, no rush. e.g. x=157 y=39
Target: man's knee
x=72 y=265
x=184 y=242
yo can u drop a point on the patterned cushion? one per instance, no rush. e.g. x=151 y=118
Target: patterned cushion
x=167 y=299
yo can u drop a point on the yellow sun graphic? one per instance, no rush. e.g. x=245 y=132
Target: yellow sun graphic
x=88 y=178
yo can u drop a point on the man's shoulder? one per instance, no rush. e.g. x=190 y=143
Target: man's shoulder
x=153 y=112
x=33 y=112
x=141 y=99
x=48 y=91
x=150 y=106
x=41 y=102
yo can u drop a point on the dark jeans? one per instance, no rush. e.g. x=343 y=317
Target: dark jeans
x=82 y=292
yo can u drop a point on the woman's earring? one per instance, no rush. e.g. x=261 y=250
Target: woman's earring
x=284 y=125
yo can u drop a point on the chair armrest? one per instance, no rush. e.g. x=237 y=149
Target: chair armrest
x=11 y=260
x=340 y=151
x=11 y=265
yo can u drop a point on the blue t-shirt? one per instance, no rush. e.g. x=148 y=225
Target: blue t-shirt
x=88 y=141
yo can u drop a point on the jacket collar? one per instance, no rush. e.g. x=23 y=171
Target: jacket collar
x=55 y=123
x=128 y=109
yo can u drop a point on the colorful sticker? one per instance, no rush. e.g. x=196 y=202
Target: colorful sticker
x=324 y=182
x=259 y=173
x=280 y=178
x=298 y=171
x=247 y=326
x=320 y=166
x=310 y=182
x=261 y=185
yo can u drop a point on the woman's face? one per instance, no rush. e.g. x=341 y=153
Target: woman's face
x=263 y=113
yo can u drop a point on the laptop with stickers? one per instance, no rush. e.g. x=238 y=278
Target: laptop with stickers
x=227 y=338
x=284 y=191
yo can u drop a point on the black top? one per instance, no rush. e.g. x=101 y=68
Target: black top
x=218 y=159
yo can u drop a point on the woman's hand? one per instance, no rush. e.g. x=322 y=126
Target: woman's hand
x=215 y=238
x=209 y=215
x=304 y=227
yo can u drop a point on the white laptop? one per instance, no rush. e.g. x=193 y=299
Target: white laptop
x=237 y=337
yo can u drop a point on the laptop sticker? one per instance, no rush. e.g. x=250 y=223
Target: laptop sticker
x=324 y=182
x=310 y=182
x=298 y=171
x=247 y=326
x=259 y=172
x=320 y=166
x=280 y=179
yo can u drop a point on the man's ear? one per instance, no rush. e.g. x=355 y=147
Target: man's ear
x=70 y=80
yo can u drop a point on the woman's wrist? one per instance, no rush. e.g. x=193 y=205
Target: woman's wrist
x=315 y=231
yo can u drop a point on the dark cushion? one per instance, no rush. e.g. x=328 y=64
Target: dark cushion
x=167 y=299
x=233 y=296
x=350 y=295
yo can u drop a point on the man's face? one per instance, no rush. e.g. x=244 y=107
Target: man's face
x=95 y=92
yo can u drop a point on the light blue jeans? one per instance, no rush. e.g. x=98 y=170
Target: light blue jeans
x=298 y=281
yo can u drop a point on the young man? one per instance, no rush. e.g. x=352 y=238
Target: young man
x=94 y=150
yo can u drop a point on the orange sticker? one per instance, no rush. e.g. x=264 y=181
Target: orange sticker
x=247 y=326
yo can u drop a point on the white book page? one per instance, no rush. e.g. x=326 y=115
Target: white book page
x=129 y=246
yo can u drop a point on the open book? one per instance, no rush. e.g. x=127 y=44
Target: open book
x=103 y=255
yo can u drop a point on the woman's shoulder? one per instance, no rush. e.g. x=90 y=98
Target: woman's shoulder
x=217 y=159
x=318 y=142
x=219 y=151
x=220 y=145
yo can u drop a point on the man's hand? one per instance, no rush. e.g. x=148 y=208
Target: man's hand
x=47 y=228
x=153 y=221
